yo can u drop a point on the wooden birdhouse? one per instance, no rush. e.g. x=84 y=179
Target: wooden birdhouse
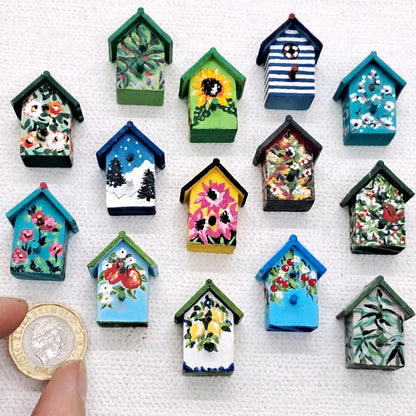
x=40 y=239
x=288 y=158
x=289 y=56
x=374 y=328
x=46 y=112
x=212 y=87
x=377 y=216
x=368 y=95
x=122 y=271
x=214 y=197
x=291 y=277
x=141 y=50
x=129 y=160
x=208 y=319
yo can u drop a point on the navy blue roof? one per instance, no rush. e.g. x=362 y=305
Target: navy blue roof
x=132 y=129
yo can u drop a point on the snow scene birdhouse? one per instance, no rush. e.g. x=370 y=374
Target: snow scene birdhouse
x=368 y=95
x=40 y=239
x=374 y=328
x=289 y=56
x=141 y=50
x=288 y=158
x=209 y=318
x=46 y=112
x=377 y=215
x=122 y=270
x=212 y=87
x=290 y=278
x=129 y=159
x=214 y=197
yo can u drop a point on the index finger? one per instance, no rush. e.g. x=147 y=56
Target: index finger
x=12 y=313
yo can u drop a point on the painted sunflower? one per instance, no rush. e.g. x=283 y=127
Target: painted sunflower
x=210 y=85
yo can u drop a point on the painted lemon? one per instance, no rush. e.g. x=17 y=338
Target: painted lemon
x=214 y=327
x=197 y=329
x=217 y=315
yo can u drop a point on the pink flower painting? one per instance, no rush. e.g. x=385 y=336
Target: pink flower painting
x=214 y=197
x=18 y=256
x=26 y=235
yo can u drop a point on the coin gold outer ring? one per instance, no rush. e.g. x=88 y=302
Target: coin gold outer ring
x=17 y=352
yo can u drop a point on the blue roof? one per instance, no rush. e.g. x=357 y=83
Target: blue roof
x=374 y=59
x=291 y=23
x=43 y=189
x=293 y=242
x=132 y=129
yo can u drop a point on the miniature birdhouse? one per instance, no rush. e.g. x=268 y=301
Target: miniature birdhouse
x=141 y=50
x=122 y=270
x=291 y=277
x=214 y=197
x=208 y=320
x=374 y=328
x=46 y=112
x=289 y=56
x=129 y=159
x=288 y=157
x=40 y=240
x=213 y=87
x=376 y=205
x=368 y=95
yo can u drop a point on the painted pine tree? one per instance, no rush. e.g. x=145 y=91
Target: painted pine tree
x=114 y=175
x=147 y=189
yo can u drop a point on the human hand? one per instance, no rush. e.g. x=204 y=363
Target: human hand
x=65 y=393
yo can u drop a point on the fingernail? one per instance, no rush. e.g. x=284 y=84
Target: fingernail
x=82 y=380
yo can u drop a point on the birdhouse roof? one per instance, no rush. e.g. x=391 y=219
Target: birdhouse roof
x=140 y=17
x=130 y=128
x=239 y=78
x=378 y=282
x=185 y=191
x=382 y=169
x=371 y=59
x=291 y=23
x=293 y=242
x=310 y=143
x=42 y=190
x=94 y=263
x=46 y=78
x=209 y=287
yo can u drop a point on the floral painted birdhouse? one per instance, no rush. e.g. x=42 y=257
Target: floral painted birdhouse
x=214 y=197
x=289 y=56
x=122 y=271
x=41 y=232
x=129 y=159
x=288 y=158
x=141 y=50
x=213 y=87
x=374 y=328
x=377 y=215
x=46 y=112
x=208 y=319
x=290 y=278
x=368 y=95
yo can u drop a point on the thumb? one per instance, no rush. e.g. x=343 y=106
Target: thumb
x=65 y=393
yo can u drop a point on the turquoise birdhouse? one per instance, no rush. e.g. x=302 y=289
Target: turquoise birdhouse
x=291 y=277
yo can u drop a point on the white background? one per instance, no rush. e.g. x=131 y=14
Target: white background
x=138 y=371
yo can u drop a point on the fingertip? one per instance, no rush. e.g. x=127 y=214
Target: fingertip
x=12 y=313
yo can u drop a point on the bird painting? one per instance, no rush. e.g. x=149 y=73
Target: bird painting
x=390 y=213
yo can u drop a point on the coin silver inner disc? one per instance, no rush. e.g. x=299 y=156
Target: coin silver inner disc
x=48 y=341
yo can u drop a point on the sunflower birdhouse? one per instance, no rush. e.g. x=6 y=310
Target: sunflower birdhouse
x=214 y=197
x=213 y=87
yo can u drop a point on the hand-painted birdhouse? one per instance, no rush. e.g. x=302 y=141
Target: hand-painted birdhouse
x=288 y=157
x=40 y=241
x=376 y=205
x=129 y=159
x=208 y=318
x=289 y=56
x=368 y=95
x=290 y=290
x=214 y=197
x=374 y=328
x=46 y=112
x=122 y=270
x=213 y=87
x=141 y=50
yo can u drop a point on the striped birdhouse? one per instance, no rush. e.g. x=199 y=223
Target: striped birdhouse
x=289 y=56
